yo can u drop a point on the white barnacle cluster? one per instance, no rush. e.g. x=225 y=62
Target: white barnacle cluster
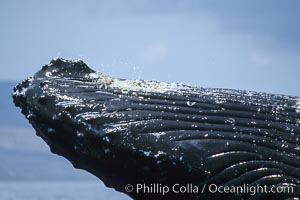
x=20 y=93
x=144 y=86
x=23 y=90
x=100 y=78
x=135 y=85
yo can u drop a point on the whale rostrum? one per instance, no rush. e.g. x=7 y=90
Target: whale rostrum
x=156 y=134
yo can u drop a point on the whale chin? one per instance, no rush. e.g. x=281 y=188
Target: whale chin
x=150 y=132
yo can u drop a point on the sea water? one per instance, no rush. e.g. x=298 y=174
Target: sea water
x=57 y=190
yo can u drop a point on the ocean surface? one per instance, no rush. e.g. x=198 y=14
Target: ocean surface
x=57 y=190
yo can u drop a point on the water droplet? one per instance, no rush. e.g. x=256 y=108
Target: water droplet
x=230 y=121
x=147 y=153
x=125 y=91
x=51 y=130
x=190 y=103
x=42 y=100
x=30 y=116
x=207 y=172
x=76 y=148
x=106 y=139
x=48 y=74
x=79 y=134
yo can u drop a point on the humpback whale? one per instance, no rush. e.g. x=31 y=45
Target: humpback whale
x=142 y=137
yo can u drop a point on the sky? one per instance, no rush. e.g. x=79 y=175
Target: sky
x=252 y=45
